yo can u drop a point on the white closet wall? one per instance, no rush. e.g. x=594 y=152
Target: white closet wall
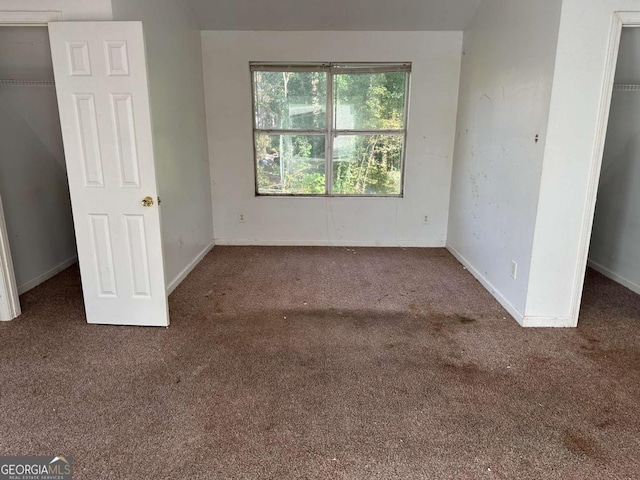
x=615 y=241
x=33 y=181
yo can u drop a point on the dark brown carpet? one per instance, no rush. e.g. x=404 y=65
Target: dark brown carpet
x=327 y=364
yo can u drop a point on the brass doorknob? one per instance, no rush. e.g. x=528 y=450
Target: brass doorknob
x=147 y=202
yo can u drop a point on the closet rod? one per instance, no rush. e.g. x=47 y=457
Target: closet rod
x=26 y=83
x=626 y=88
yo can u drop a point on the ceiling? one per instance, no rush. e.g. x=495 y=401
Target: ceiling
x=369 y=15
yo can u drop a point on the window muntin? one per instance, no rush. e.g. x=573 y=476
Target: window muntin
x=330 y=129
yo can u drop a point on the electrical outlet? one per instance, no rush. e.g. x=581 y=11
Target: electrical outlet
x=241 y=218
x=425 y=219
x=514 y=269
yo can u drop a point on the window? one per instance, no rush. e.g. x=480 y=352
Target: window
x=330 y=129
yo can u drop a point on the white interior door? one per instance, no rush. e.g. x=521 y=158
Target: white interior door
x=101 y=83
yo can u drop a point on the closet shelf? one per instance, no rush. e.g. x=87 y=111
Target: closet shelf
x=626 y=88
x=26 y=83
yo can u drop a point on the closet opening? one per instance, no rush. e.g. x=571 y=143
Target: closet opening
x=35 y=205
x=612 y=280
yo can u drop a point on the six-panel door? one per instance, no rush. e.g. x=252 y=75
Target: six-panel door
x=102 y=89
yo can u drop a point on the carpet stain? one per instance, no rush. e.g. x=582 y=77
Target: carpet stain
x=623 y=359
x=538 y=360
x=467 y=370
x=450 y=320
x=606 y=423
x=466 y=320
x=580 y=444
x=446 y=324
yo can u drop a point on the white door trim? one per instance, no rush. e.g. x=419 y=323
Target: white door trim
x=619 y=20
x=9 y=300
x=12 y=17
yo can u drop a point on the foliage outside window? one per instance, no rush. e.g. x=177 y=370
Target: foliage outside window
x=330 y=129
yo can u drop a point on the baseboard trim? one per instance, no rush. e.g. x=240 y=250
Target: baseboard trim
x=513 y=311
x=548 y=322
x=189 y=268
x=323 y=243
x=25 y=287
x=614 y=276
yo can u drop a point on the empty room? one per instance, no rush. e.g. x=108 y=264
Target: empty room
x=298 y=239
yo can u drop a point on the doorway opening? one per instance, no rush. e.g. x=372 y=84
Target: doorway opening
x=36 y=207
x=101 y=86
x=613 y=277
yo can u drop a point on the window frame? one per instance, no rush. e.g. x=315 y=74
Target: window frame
x=329 y=132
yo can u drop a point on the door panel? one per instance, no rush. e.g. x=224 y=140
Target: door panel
x=103 y=98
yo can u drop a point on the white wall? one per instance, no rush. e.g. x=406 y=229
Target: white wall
x=566 y=201
x=505 y=89
x=615 y=240
x=33 y=181
x=332 y=221
x=174 y=58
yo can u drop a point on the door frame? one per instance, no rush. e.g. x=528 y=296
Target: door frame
x=619 y=21
x=9 y=297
